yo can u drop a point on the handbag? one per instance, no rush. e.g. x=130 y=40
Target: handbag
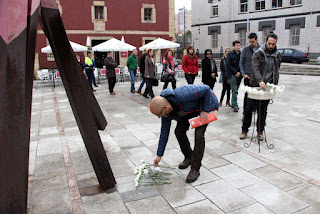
x=165 y=75
x=155 y=82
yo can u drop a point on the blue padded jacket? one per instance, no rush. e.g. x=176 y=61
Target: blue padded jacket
x=190 y=99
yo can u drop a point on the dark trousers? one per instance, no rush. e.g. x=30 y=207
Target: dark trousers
x=210 y=84
x=190 y=78
x=111 y=83
x=261 y=106
x=197 y=154
x=94 y=80
x=149 y=89
x=90 y=76
x=246 y=82
x=225 y=88
x=173 y=83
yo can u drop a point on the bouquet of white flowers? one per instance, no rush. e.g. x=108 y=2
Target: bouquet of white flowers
x=149 y=175
x=258 y=94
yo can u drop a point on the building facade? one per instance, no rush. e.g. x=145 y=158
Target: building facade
x=139 y=22
x=183 y=21
x=216 y=23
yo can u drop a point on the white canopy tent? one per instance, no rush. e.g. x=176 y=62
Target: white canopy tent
x=160 y=44
x=113 y=45
x=75 y=46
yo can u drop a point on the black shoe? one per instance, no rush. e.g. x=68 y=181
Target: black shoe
x=96 y=85
x=236 y=109
x=193 y=175
x=184 y=164
x=94 y=90
x=146 y=96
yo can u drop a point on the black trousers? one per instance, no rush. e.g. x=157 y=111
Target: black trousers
x=197 y=154
x=210 y=84
x=90 y=76
x=190 y=78
x=111 y=82
x=261 y=106
x=246 y=82
x=149 y=89
x=173 y=83
x=225 y=88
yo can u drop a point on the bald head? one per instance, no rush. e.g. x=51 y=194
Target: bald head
x=160 y=106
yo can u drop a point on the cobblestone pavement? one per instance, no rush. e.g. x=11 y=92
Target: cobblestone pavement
x=233 y=179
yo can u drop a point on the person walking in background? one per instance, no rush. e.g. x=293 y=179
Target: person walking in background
x=149 y=73
x=209 y=69
x=89 y=68
x=132 y=64
x=190 y=65
x=266 y=63
x=224 y=79
x=233 y=72
x=170 y=64
x=111 y=73
x=221 y=52
x=80 y=63
x=246 y=62
x=142 y=68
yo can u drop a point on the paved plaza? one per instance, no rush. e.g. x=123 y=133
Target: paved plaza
x=234 y=179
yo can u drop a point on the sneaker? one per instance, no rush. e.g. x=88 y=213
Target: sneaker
x=184 y=164
x=243 y=135
x=193 y=175
x=113 y=93
x=146 y=96
x=236 y=109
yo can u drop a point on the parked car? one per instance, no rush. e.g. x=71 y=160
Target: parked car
x=293 y=55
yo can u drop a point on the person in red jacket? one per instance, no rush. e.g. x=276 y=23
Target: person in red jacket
x=190 y=65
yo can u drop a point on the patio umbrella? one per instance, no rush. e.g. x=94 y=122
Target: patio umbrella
x=113 y=45
x=160 y=44
x=75 y=46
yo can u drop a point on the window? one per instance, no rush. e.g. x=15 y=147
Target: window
x=147 y=14
x=50 y=57
x=243 y=5
x=295 y=2
x=260 y=4
x=147 y=41
x=215 y=39
x=276 y=3
x=215 y=10
x=98 y=12
x=287 y=51
x=294 y=35
x=265 y=32
x=242 y=36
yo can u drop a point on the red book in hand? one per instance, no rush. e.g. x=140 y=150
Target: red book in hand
x=196 y=122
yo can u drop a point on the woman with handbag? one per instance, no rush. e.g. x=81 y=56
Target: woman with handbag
x=169 y=67
x=149 y=73
x=209 y=69
x=225 y=84
x=190 y=65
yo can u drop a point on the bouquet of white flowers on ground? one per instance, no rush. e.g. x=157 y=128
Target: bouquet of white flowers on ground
x=149 y=175
x=259 y=94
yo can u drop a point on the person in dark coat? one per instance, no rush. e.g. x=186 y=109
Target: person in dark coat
x=80 y=63
x=149 y=73
x=111 y=73
x=233 y=73
x=142 y=68
x=190 y=65
x=209 y=69
x=224 y=79
x=182 y=104
x=170 y=64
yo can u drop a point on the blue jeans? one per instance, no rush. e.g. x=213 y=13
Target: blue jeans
x=133 y=74
x=141 y=84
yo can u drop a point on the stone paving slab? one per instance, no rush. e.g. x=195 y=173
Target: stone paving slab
x=275 y=199
x=204 y=206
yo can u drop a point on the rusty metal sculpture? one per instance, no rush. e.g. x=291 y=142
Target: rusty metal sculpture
x=19 y=21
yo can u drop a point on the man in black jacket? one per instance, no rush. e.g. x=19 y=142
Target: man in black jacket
x=233 y=72
x=265 y=69
x=142 y=68
x=111 y=73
